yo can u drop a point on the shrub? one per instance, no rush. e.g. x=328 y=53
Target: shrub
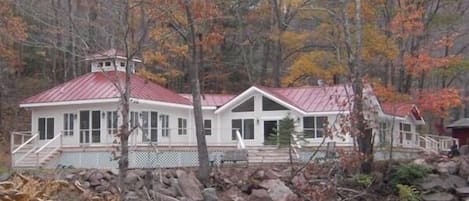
x=407 y=173
x=363 y=180
x=408 y=193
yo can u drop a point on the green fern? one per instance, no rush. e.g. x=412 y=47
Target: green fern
x=363 y=180
x=408 y=173
x=408 y=193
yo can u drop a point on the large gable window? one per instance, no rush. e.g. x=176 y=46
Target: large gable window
x=313 y=127
x=270 y=105
x=247 y=106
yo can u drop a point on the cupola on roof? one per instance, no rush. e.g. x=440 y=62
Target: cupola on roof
x=111 y=60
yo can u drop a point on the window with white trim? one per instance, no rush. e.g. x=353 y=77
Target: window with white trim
x=208 y=126
x=111 y=120
x=313 y=127
x=244 y=126
x=246 y=106
x=46 y=128
x=164 y=125
x=405 y=130
x=270 y=105
x=182 y=126
x=384 y=130
x=68 y=124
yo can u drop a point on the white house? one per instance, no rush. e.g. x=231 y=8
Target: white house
x=75 y=122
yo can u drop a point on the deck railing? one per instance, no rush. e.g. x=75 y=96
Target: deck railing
x=30 y=139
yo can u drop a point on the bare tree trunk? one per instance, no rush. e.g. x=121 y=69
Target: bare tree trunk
x=265 y=61
x=204 y=170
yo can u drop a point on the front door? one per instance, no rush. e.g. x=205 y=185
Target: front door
x=46 y=128
x=270 y=132
x=90 y=126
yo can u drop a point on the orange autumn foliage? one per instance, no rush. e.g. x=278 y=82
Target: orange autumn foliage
x=389 y=94
x=425 y=62
x=439 y=101
x=408 y=20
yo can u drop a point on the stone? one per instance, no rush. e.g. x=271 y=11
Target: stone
x=5 y=176
x=163 y=197
x=86 y=184
x=259 y=174
x=94 y=182
x=166 y=181
x=189 y=186
x=210 y=194
x=259 y=195
x=100 y=188
x=463 y=163
x=168 y=192
x=277 y=190
x=132 y=196
x=299 y=180
x=438 y=196
x=441 y=183
x=141 y=173
x=69 y=177
x=463 y=191
x=271 y=174
x=422 y=162
x=131 y=178
x=464 y=149
x=448 y=167
x=175 y=186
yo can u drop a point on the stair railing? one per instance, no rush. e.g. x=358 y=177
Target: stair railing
x=33 y=137
x=240 y=140
x=38 y=151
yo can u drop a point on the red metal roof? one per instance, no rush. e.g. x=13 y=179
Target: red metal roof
x=98 y=85
x=314 y=98
x=216 y=100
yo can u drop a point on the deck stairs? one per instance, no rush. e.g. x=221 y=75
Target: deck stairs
x=270 y=155
x=41 y=159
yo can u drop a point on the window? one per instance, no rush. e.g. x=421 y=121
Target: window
x=208 y=127
x=244 y=126
x=313 y=127
x=383 y=132
x=247 y=106
x=68 y=124
x=182 y=126
x=111 y=122
x=84 y=126
x=405 y=129
x=46 y=128
x=96 y=127
x=164 y=125
x=122 y=64
x=269 y=105
x=153 y=126
x=100 y=64
x=107 y=63
x=149 y=126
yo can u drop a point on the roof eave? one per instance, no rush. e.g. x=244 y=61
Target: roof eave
x=160 y=103
x=72 y=102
